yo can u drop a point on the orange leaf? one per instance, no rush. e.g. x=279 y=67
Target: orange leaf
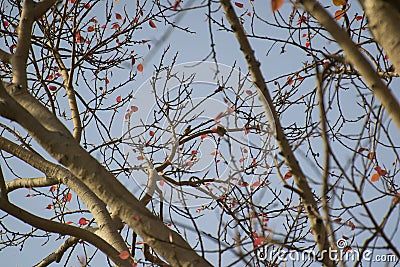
x=339 y=14
x=339 y=2
x=124 y=255
x=375 y=177
x=140 y=67
x=276 y=4
x=90 y=28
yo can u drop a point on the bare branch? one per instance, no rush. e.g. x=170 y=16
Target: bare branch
x=310 y=204
x=355 y=57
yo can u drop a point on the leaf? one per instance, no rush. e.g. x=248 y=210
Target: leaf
x=134 y=108
x=339 y=2
x=90 y=28
x=347 y=248
x=152 y=24
x=140 y=67
x=239 y=5
x=249 y=92
x=136 y=218
x=203 y=136
x=276 y=4
x=380 y=171
x=258 y=241
x=53 y=188
x=118 y=16
x=82 y=221
x=162 y=183
x=52 y=88
x=176 y=4
x=151 y=133
x=371 y=155
x=124 y=255
x=118 y=99
x=339 y=14
x=287 y=175
x=375 y=177
x=358 y=18
x=67 y=197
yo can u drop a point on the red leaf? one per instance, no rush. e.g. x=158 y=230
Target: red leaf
x=338 y=220
x=287 y=175
x=118 y=99
x=124 y=255
x=6 y=23
x=118 y=16
x=244 y=184
x=276 y=4
x=258 y=241
x=53 y=188
x=140 y=157
x=380 y=171
x=359 y=18
x=346 y=248
x=82 y=221
x=249 y=92
x=151 y=133
x=87 y=5
x=52 y=88
x=79 y=38
x=115 y=26
x=69 y=222
x=176 y=4
x=67 y=197
x=48 y=207
x=134 y=108
x=203 y=136
x=140 y=67
x=152 y=24
x=239 y=5
x=162 y=183
x=349 y=223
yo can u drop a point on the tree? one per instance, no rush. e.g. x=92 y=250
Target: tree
x=303 y=162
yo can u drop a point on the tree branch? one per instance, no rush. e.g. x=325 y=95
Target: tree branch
x=355 y=58
x=317 y=224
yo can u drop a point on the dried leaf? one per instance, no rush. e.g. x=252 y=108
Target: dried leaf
x=276 y=4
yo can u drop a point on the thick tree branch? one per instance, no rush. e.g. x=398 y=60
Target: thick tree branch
x=355 y=58
x=64 y=229
x=98 y=209
x=29 y=182
x=383 y=20
x=68 y=152
x=317 y=224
